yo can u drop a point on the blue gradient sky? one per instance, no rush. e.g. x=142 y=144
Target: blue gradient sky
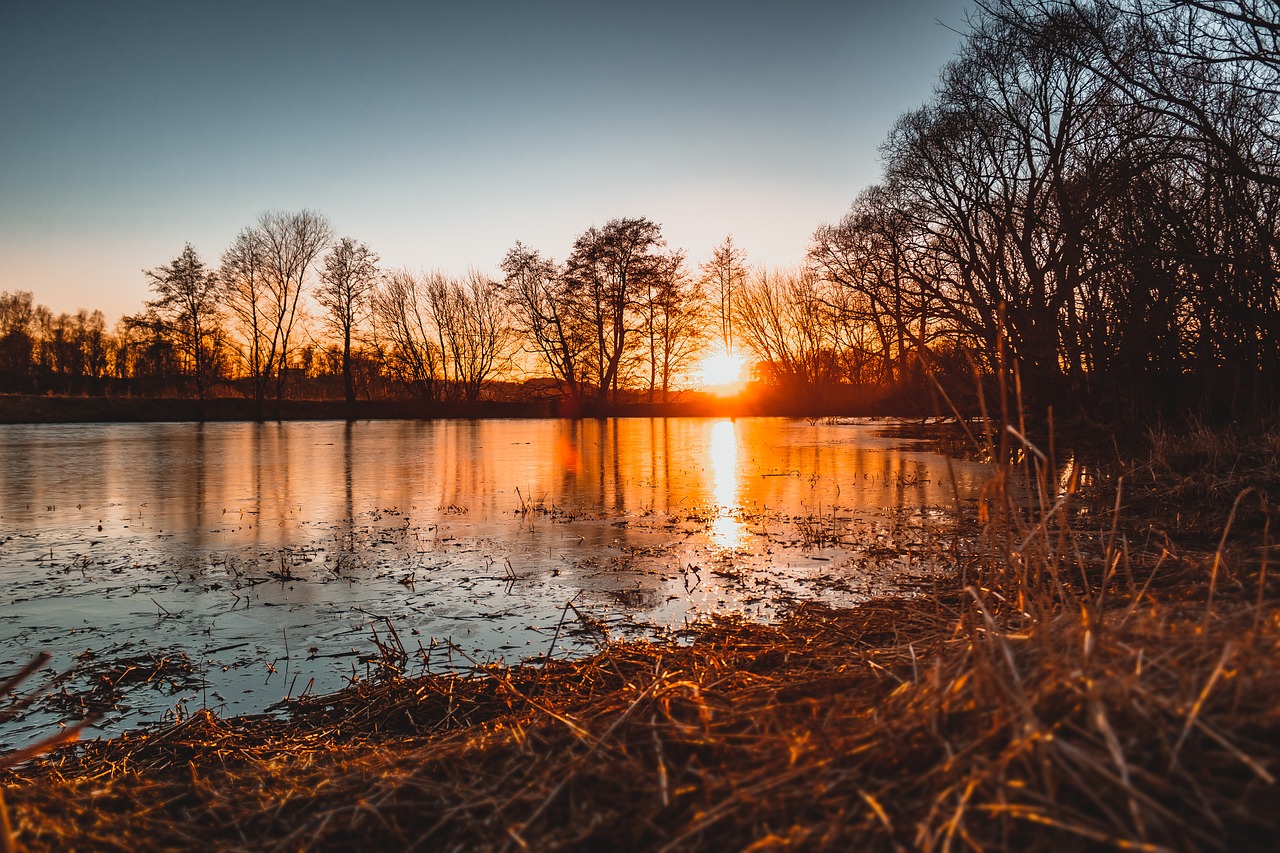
x=438 y=133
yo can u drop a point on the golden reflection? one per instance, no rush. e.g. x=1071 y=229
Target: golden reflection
x=567 y=457
x=1069 y=477
x=726 y=530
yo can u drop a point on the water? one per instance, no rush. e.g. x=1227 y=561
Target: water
x=257 y=560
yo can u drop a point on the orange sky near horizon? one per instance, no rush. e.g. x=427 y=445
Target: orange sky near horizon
x=440 y=135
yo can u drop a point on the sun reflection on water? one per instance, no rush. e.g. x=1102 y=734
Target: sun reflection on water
x=726 y=530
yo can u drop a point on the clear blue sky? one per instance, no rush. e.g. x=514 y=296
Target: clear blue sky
x=438 y=133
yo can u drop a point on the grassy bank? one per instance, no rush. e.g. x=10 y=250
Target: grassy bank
x=1071 y=685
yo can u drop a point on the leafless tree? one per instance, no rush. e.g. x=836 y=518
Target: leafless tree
x=405 y=330
x=1093 y=189
x=1212 y=66
x=264 y=271
x=437 y=296
x=476 y=331
x=348 y=275
x=546 y=317
x=872 y=257
x=95 y=344
x=291 y=242
x=444 y=335
x=674 y=323
x=787 y=324
x=608 y=272
x=1002 y=174
x=187 y=310
x=722 y=276
x=243 y=277
x=17 y=341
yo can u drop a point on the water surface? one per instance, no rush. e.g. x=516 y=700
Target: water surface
x=267 y=554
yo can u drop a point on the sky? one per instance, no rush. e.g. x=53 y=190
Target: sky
x=439 y=134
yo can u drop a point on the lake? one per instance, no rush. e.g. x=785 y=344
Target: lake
x=230 y=565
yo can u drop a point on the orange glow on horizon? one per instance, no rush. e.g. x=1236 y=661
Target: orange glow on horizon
x=722 y=373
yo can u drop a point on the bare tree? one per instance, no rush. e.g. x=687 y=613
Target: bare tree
x=244 y=281
x=546 y=317
x=676 y=326
x=264 y=271
x=441 y=310
x=406 y=330
x=786 y=322
x=187 y=310
x=722 y=276
x=878 y=266
x=93 y=339
x=1092 y=189
x=1212 y=66
x=17 y=341
x=608 y=271
x=347 y=278
x=476 y=330
x=1002 y=174
x=447 y=336
x=291 y=242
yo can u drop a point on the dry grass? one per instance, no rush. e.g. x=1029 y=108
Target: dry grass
x=1067 y=690
x=1189 y=480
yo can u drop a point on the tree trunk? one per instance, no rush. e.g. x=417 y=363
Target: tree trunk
x=348 y=384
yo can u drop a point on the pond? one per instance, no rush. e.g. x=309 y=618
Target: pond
x=229 y=565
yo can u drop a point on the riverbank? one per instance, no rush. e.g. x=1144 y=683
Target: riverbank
x=30 y=408
x=1069 y=687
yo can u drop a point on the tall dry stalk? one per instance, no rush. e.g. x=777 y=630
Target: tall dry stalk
x=18 y=756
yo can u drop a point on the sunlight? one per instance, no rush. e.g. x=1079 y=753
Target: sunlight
x=727 y=531
x=722 y=373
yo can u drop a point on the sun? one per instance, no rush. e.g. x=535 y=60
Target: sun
x=722 y=373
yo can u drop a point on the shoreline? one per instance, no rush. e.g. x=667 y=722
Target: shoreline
x=895 y=724
x=39 y=409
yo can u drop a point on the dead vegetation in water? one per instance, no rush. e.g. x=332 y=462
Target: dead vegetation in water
x=1065 y=688
x=100 y=685
x=1077 y=694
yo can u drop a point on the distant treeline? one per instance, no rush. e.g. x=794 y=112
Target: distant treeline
x=1092 y=195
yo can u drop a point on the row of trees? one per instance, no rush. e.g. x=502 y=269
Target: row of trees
x=68 y=353
x=1094 y=187
x=622 y=315
x=443 y=336
x=621 y=311
x=1093 y=193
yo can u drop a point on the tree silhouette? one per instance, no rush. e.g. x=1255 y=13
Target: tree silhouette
x=348 y=274
x=608 y=272
x=187 y=310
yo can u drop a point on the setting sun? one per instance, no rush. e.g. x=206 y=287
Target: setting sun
x=722 y=373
